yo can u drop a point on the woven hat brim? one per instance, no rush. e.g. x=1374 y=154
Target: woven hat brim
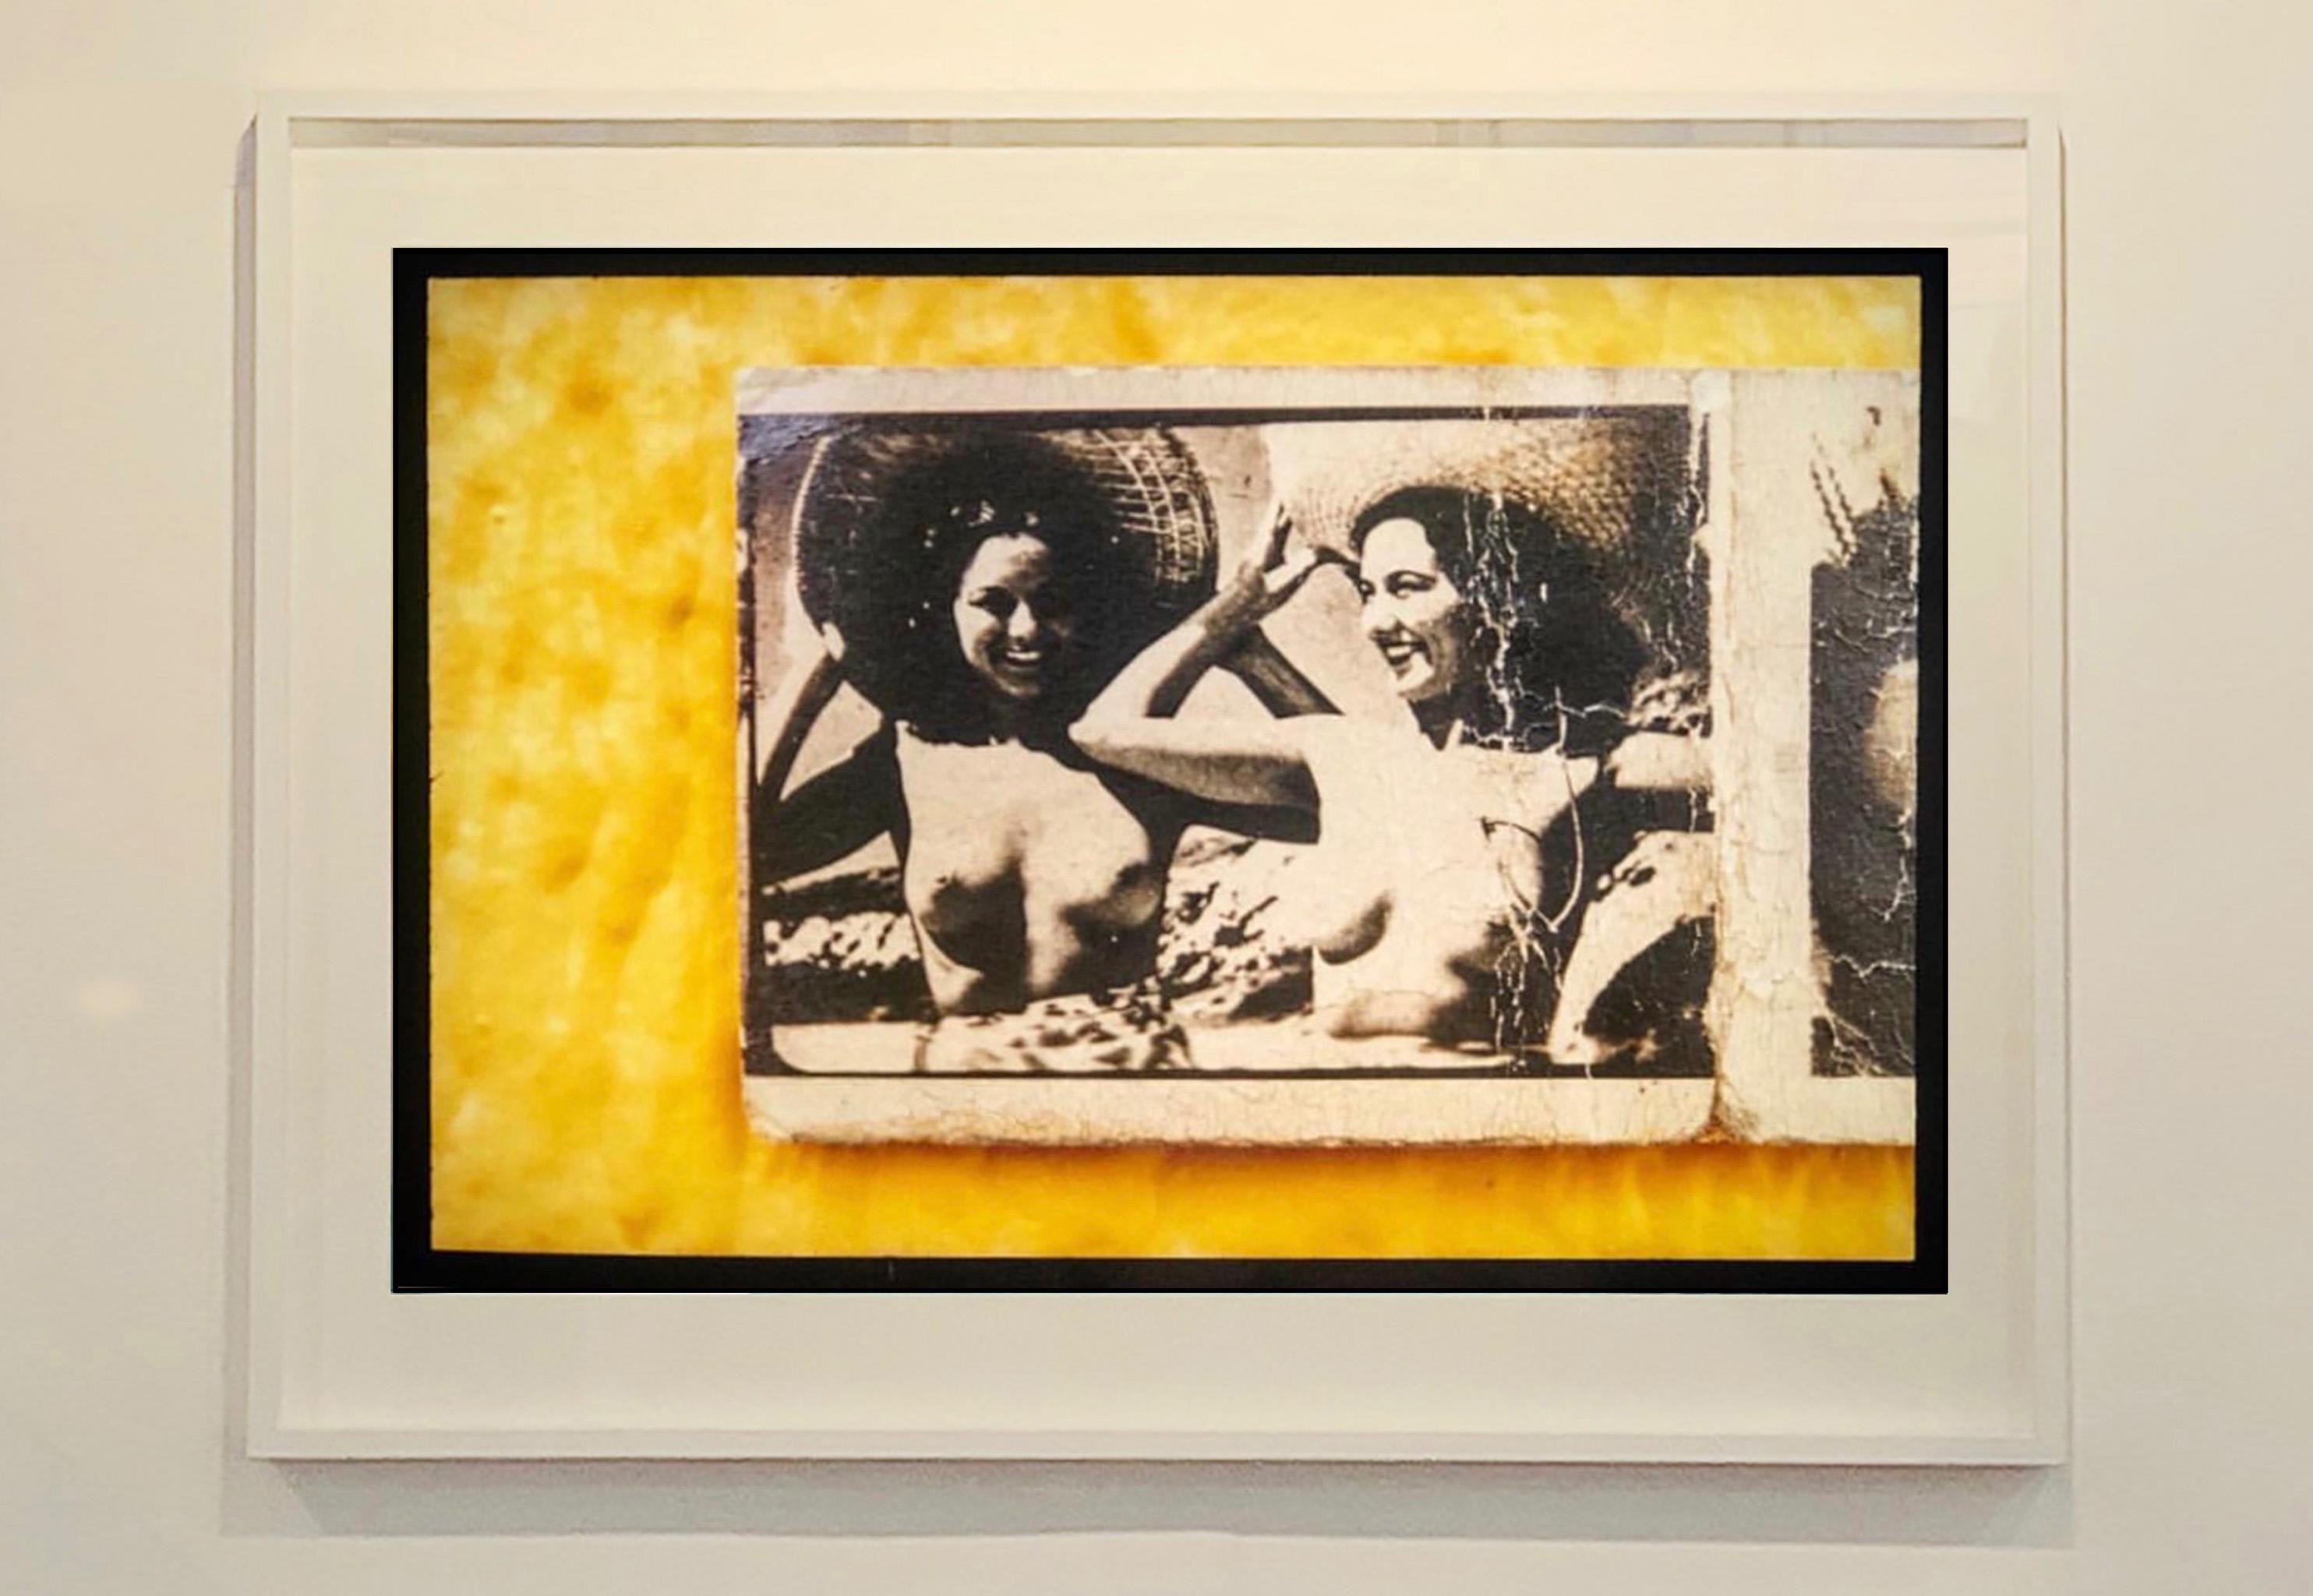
x=1618 y=484
x=848 y=543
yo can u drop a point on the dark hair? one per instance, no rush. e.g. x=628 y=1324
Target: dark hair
x=1560 y=661
x=937 y=516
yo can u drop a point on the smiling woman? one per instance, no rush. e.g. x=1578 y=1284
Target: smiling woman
x=993 y=592
x=1015 y=616
x=980 y=583
x=1532 y=779
x=1412 y=612
x=1494 y=625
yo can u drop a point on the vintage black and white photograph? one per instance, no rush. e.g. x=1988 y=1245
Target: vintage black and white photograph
x=1320 y=757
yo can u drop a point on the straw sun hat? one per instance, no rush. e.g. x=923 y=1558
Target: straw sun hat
x=1580 y=529
x=1614 y=485
x=888 y=510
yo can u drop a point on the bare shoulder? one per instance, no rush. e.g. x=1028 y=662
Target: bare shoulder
x=1350 y=736
x=1347 y=756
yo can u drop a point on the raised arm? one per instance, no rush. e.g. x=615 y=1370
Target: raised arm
x=833 y=814
x=838 y=811
x=1276 y=682
x=1131 y=726
x=1224 y=627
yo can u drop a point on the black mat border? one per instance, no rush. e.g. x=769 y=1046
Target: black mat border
x=418 y=1266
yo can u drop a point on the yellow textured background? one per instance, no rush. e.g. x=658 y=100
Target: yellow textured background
x=586 y=1070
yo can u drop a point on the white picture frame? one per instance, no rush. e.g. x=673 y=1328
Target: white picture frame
x=340 y=1367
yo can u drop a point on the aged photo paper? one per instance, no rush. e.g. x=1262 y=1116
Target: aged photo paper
x=1322 y=756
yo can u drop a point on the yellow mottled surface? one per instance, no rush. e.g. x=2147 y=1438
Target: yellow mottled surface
x=583 y=630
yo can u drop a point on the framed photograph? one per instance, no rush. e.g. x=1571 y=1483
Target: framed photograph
x=1099 y=839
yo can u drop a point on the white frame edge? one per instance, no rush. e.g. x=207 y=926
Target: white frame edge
x=286 y=121
x=261 y=779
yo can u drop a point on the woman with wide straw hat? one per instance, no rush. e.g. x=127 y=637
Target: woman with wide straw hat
x=979 y=584
x=1502 y=570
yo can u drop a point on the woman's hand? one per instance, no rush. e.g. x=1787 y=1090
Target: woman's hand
x=1154 y=685
x=1273 y=569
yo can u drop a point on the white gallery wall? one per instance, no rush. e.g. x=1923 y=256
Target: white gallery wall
x=2189 y=134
